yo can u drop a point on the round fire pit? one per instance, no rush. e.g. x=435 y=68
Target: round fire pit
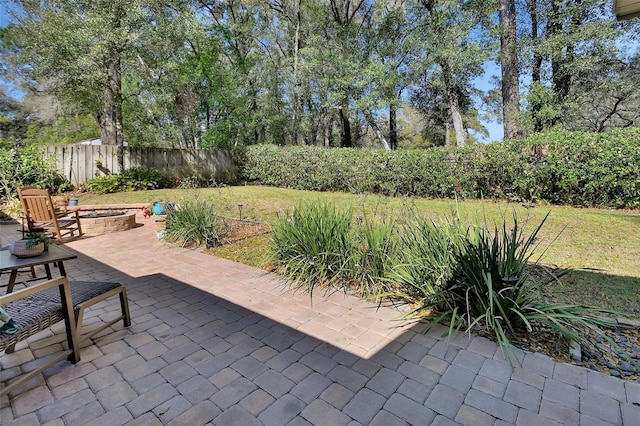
x=104 y=222
x=92 y=215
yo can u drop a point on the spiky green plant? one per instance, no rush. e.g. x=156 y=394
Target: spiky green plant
x=311 y=246
x=426 y=264
x=375 y=254
x=492 y=287
x=195 y=223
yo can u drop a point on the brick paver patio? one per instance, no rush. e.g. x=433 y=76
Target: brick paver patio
x=215 y=342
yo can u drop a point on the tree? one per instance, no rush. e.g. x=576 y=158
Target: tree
x=391 y=43
x=345 y=32
x=84 y=50
x=209 y=73
x=571 y=50
x=451 y=57
x=610 y=89
x=509 y=68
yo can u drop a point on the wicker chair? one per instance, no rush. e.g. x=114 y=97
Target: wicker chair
x=41 y=214
x=38 y=307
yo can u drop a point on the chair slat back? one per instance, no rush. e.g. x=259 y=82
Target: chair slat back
x=37 y=205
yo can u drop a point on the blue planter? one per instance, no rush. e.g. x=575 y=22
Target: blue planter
x=158 y=208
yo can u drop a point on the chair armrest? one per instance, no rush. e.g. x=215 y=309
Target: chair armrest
x=66 y=310
x=61 y=282
x=68 y=212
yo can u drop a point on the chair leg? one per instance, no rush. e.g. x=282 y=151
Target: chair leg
x=124 y=306
x=125 y=315
x=78 y=225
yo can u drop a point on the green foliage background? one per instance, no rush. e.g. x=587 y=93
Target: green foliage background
x=135 y=179
x=27 y=167
x=558 y=167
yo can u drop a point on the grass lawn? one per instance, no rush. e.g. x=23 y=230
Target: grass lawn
x=605 y=243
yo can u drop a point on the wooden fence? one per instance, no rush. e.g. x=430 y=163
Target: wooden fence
x=79 y=163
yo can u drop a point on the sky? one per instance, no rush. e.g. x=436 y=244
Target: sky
x=491 y=69
x=5 y=17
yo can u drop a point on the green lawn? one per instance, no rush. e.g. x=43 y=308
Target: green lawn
x=604 y=242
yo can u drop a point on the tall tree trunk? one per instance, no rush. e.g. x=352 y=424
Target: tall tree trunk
x=393 y=127
x=296 y=95
x=377 y=131
x=456 y=117
x=536 y=67
x=326 y=129
x=561 y=61
x=510 y=73
x=253 y=109
x=110 y=118
x=453 y=104
x=345 y=133
x=447 y=135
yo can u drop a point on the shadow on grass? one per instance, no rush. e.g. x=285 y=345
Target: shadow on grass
x=597 y=288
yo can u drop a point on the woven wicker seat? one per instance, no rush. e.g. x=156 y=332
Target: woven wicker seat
x=32 y=314
x=37 y=308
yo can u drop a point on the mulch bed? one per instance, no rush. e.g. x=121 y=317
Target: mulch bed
x=242 y=229
x=619 y=356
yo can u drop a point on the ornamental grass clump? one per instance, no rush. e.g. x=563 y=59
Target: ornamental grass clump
x=375 y=253
x=195 y=223
x=427 y=262
x=492 y=288
x=472 y=278
x=311 y=246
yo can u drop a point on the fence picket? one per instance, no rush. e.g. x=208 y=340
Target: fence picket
x=79 y=163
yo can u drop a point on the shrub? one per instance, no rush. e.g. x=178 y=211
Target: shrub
x=492 y=288
x=585 y=169
x=134 y=179
x=26 y=167
x=312 y=246
x=557 y=167
x=195 y=223
x=105 y=184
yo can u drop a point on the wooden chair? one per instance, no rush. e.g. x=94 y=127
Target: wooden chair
x=41 y=214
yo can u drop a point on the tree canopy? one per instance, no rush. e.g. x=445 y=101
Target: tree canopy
x=344 y=73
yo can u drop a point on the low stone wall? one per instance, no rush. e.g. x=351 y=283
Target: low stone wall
x=105 y=225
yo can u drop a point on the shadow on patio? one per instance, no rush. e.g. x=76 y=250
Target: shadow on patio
x=217 y=342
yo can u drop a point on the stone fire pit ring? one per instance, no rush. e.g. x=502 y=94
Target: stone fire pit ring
x=105 y=219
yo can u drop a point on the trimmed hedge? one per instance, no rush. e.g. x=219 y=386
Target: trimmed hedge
x=575 y=168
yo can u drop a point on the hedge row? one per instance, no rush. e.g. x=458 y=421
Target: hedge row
x=575 y=168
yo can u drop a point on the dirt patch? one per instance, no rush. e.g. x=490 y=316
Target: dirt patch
x=243 y=229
